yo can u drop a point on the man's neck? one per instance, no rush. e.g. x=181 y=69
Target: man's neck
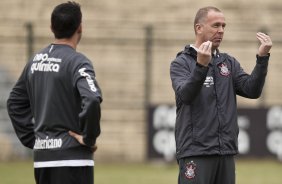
x=64 y=41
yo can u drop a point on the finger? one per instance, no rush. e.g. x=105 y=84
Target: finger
x=260 y=39
x=201 y=47
x=204 y=46
x=209 y=46
x=71 y=133
x=76 y=136
x=263 y=37
x=262 y=34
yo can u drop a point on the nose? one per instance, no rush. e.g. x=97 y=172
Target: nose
x=220 y=29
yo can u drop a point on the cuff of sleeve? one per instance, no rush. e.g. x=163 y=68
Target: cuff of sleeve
x=262 y=59
x=88 y=142
x=200 y=72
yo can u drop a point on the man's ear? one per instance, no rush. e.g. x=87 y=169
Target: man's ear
x=198 y=28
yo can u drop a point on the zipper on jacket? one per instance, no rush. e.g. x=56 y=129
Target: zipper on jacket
x=216 y=100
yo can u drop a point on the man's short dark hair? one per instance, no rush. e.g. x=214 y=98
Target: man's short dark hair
x=65 y=19
x=202 y=14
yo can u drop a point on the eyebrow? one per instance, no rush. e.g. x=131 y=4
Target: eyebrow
x=219 y=23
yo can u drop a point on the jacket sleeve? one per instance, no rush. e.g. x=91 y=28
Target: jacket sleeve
x=187 y=81
x=19 y=110
x=250 y=86
x=91 y=98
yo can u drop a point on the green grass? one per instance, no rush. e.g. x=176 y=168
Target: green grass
x=16 y=173
x=136 y=174
x=259 y=172
x=247 y=171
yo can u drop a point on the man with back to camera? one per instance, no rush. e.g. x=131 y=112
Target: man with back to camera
x=206 y=83
x=58 y=90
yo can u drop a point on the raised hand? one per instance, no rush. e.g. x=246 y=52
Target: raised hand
x=204 y=53
x=266 y=44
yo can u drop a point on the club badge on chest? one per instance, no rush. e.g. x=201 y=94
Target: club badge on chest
x=223 y=69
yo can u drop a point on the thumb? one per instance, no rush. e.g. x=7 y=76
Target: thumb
x=76 y=136
x=71 y=133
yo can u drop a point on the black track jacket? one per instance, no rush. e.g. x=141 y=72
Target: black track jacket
x=206 y=122
x=57 y=92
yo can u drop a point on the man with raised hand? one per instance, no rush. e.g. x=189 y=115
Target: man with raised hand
x=206 y=83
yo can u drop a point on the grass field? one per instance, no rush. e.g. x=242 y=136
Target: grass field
x=247 y=171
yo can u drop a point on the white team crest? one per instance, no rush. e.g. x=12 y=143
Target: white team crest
x=223 y=69
x=190 y=172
